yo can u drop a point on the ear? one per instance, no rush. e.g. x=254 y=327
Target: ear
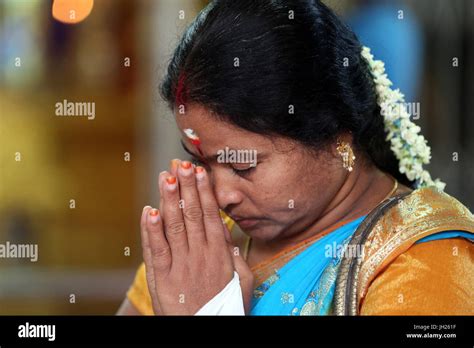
x=344 y=137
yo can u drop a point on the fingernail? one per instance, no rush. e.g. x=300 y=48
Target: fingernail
x=146 y=206
x=186 y=164
x=199 y=172
x=174 y=164
x=154 y=216
x=171 y=181
x=186 y=167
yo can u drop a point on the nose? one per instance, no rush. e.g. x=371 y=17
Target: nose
x=225 y=189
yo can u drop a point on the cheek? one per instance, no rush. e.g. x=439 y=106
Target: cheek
x=307 y=188
x=273 y=188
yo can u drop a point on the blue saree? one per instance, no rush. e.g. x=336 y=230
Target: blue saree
x=306 y=284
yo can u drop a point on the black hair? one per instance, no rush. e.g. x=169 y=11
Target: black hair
x=253 y=62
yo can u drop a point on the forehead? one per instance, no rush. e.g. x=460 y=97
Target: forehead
x=212 y=131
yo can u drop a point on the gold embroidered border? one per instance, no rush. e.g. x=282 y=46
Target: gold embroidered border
x=426 y=211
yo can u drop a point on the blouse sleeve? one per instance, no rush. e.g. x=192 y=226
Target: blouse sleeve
x=138 y=293
x=430 y=278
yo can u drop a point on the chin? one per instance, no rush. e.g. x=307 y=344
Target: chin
x=264 y=233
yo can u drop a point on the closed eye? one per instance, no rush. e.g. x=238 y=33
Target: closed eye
x=236 y=171
x=243 y=172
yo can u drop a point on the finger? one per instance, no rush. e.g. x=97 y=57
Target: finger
x=245 y=274
x=160 y=250
x=174 y=164
x=175 y=229
x=240 y=265
x=164 y=173
x=147 y=257
x=191 y=205
x=213 y=225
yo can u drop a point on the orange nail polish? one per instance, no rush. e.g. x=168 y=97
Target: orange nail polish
x=198 y=170
x=154 y=216
x=171 y=180
x=186 y=164
x=199 y=173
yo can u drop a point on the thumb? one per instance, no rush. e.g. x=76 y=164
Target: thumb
x=246 y=276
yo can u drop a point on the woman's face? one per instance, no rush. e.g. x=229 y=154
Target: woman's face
x=284 y=194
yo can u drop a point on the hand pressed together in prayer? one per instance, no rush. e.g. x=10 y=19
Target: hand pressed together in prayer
x=188 y=252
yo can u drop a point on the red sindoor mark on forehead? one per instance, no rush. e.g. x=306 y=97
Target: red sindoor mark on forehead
x=192 y=135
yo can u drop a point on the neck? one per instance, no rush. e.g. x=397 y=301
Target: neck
x=361 y=192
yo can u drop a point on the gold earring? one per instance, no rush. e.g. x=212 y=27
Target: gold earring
x=348 y=158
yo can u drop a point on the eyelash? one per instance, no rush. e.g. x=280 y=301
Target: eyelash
x=240 y=172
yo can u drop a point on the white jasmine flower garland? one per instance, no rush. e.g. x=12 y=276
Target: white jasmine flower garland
x=410 y=148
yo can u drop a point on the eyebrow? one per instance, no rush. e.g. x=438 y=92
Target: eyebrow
x=206 y=159
x=209 y=159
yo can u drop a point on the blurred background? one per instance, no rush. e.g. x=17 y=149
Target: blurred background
x=76 y=187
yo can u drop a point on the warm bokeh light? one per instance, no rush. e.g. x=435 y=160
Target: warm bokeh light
x=72 y=11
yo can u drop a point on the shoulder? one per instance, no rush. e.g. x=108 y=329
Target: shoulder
x=422 y=213
x=430 y=278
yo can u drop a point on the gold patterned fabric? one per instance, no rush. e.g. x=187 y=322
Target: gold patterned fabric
x=424 y=212
x=396 y=276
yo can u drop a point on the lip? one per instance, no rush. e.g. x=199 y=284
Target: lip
x=246 y=223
